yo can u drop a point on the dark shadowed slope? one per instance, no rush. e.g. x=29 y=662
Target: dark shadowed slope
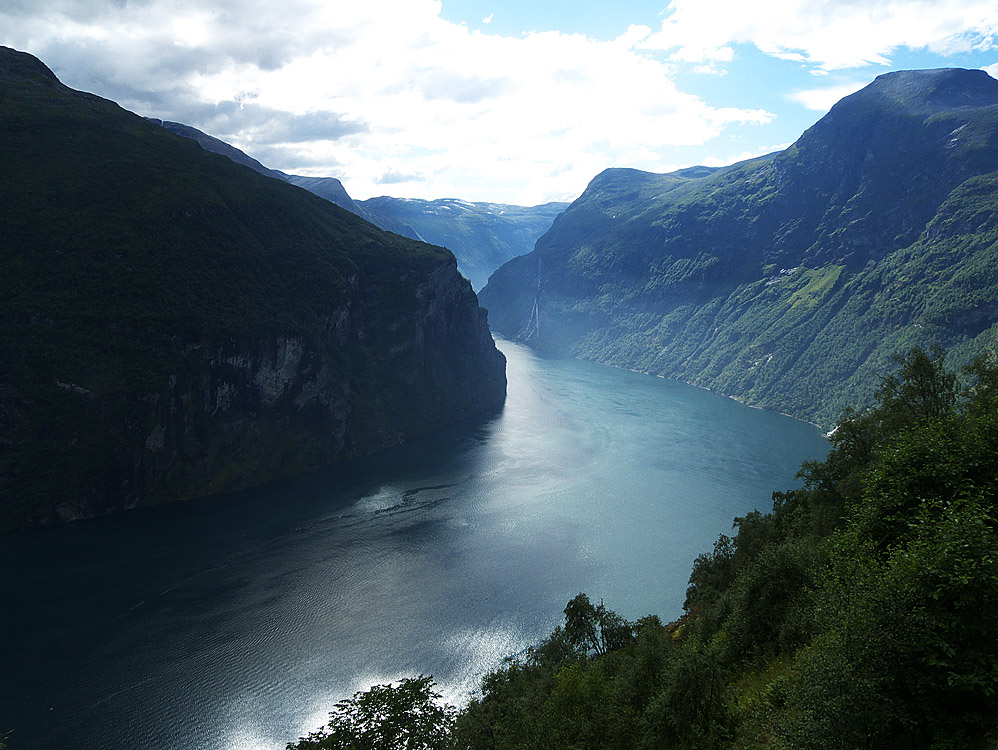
x=177 y=325
x=482 y=236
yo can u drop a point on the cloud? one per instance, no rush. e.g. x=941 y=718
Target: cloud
x=392 y=177
x=822 y=99
x=744 y=155
x=829 y=35
x=365 y=91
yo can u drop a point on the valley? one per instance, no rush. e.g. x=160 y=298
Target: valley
x=264 y=445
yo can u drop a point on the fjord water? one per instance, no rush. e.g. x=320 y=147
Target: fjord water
x=238 y=622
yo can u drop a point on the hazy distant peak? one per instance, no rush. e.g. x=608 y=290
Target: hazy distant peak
x=329 y=188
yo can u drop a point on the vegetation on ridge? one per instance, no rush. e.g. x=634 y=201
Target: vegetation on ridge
x=858 y=613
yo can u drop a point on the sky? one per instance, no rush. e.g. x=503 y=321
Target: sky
x=519 y=101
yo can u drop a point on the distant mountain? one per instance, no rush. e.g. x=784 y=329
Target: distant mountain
x=332 y=190
x=176 y=325
x=787 y=281
x=483 y=236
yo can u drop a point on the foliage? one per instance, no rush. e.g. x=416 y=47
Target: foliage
x=594 y=628
x=407 y=716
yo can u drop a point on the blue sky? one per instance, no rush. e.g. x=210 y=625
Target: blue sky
x=518 y=102
x=600 y=20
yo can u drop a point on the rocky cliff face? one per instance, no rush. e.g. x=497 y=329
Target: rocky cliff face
x=176 y=325
x=250 y=410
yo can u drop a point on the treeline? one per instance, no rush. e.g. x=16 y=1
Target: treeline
x=859 y=613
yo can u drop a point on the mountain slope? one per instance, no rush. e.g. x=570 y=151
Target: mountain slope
x=482 y=236
x=787 y=281
x=325 y=187
x=177 y=325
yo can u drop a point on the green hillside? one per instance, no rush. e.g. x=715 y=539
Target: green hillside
x=787 y=281
x=857 y=614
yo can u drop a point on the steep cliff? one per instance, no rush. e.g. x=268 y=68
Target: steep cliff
x=176 y=325
x=788 y=281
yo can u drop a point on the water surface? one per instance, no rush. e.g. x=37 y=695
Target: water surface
x=238 y=622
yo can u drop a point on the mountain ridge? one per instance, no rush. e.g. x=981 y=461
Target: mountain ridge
x=481 y=235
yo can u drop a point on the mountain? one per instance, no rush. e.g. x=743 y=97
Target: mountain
x=325 y=187
x=483 y=236
x=176 y=325
x=788 y=281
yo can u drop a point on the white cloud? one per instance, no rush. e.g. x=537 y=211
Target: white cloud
x=390 y=97
x=744 y=156
x=822 y=99
x=991 y=70
x=830 y=35
x=382 y=88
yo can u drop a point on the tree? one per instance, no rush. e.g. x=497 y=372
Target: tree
x=590 y=627
x=409 y=716
x=922 y=389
